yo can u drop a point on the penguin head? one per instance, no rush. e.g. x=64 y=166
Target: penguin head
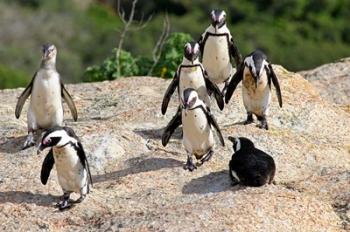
x=241 y=143
x=49 y=52
x=256 y=63
x=218 y=18
x=56 y=137
x=190 y=98
x=191 y=51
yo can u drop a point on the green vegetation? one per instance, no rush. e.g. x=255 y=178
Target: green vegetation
x=299 y=34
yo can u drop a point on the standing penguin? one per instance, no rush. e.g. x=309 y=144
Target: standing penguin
x=46 y=90
x=191 y=74
x=197 y=121
x=71 y=164
x=249 y=165
x=257 y=75
x=217 y=47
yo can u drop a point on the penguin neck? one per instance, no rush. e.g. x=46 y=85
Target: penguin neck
x=48 y=64
x=188 y=62
x=218 y=29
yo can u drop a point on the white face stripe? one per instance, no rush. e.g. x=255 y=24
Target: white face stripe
x=234 y=174
x=238 y=144
x=196 y=48
x=65 y=138
x=222 y=16
x=250 y=63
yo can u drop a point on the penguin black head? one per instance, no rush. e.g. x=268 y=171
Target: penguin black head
x=49 y=51
x=57 y=137
x=190 y=98
x=191 y=51
x=256 y=62
x=218 y=18
x=241 y=143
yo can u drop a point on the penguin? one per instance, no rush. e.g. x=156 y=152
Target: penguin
x=47 y=90
x=67 y=153
x=217 y=47
x=250 y=166
x=197 y=122
x=191 y=74
x=257 y=74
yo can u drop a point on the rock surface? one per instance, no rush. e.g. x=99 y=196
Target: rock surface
x=141 y=186
x=332 y=81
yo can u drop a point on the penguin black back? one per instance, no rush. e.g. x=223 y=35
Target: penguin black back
x=250 y=166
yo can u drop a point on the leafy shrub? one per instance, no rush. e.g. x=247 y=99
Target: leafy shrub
x=171 y=55
x=11 y=78
x=108 y=69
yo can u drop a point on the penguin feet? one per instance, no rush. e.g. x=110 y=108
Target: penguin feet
x=249 y=119
x=207 y=157
x=189 y=165
x=263 y=123
x=65 y=204
x=29 y=141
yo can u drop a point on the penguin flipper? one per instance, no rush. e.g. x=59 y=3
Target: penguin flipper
x=275 y=82
x=214 y=88
x=83 y=160
x=46 y=167
x=234 y=52
x=173 y=85
x=237 y=77
x=212 y=121
x=174 y=123
x=68 y=99
x=24 y=95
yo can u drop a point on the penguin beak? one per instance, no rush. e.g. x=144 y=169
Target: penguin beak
x=41 y=147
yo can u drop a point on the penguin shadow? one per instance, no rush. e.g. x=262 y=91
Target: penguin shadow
x=157 y=133
x=13 y=144
x=19 y=197
x=214 y=182
x=139 y=165
x=242 y=123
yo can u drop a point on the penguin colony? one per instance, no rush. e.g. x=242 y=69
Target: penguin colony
x=206 y=63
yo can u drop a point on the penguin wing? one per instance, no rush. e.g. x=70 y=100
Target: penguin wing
x=175 y=122
x=214 y=89
x=68 y=99
x=212 y=121
x=24 y=95
x=273 y=77
x=46 y=167
x=83 y=159
x=237 y=77
x=234 y=52
x=174 y=83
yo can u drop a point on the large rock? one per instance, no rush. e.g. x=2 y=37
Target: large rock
x=333 y=81
x=141 y=186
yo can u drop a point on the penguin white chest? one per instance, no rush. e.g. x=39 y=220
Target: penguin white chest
x=256 y=97
x=192 y=77
x=46 y=100
x=216 y=58
x=198 y=137
x=72 y=176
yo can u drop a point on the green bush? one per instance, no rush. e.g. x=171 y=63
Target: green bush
x=171 y=55
x=108 y=69
x=11 y=78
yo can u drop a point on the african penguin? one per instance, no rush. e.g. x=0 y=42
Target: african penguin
x=257 y=74
x=67 y=153
x=46 y=90
x=217 y=47
x=191 y=74
x=197 y=122
x=250 y=166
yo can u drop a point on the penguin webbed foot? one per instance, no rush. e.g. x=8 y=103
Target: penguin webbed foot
x=207 y=157
x=63 y=205
x=81 y=198
x=190 y=165
x=263 y=123
x=29 y=141
x=249 y=119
